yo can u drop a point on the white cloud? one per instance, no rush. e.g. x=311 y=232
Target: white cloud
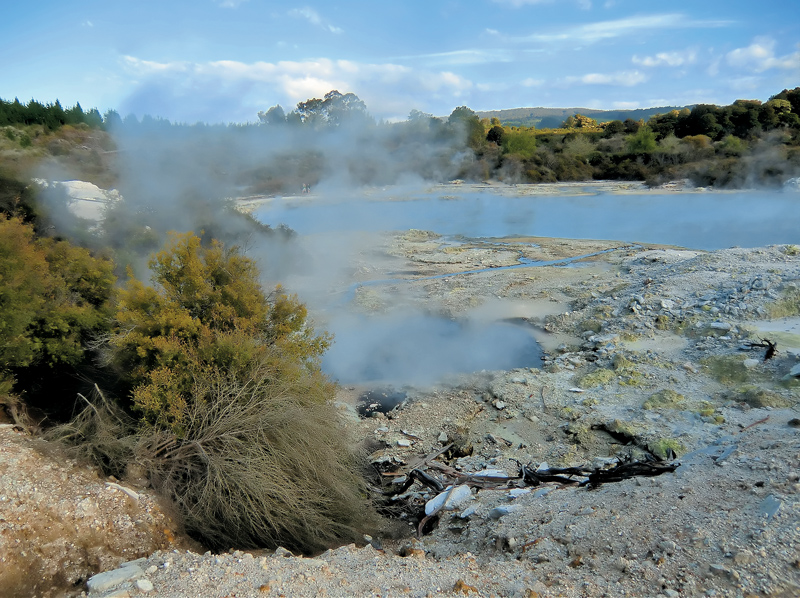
x=87 y=24
x=231 y=3
x=594 y=32
x=760 y=56
x=463 y=57
x=148 y=67
x=531 y=82
x=744 y=84
x=313 y=17
x=626 y=105
x=387 y=89
x=624 y=78
x=666 y=59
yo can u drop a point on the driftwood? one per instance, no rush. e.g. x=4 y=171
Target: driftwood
x=441 y=477
x=623 y=469
x=770 y=346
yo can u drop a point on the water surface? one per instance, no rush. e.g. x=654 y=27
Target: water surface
x=695 y=220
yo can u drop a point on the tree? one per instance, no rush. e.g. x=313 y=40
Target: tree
x=631 y=126
x=418 y=116
x=334 y=110
x=495 y=135
x=273 y=116
x=466 y=122
x=584 y=122
x=520 y=143
x=792 y=96
x=112 y=120
x=344 y=108
x=614 y=127
x=53 y=298
x=643 y=142
x=74 y=115
x=663 y=125
x=93 y=118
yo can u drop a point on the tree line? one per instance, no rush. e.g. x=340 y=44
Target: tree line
x=707 y=144
x=51 y=116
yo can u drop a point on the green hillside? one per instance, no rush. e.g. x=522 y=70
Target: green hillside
x=549 y=118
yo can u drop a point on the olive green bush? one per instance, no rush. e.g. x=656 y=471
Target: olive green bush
x=207 y=309
x=54 y=298
x=230 y=415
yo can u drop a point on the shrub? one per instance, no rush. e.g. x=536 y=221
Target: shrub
x=208 y=310
x=16 y=198
x=642 y=142
x=236 y=425
x=54 y=297
x=260 y=462
x=521 y=143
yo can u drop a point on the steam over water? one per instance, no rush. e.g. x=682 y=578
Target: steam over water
x=403 y=346
x=693 y=220
x=420 y=348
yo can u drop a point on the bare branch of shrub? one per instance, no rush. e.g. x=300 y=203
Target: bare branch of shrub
x=261 y=462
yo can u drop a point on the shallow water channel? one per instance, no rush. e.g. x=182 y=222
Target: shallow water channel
x=421 y=348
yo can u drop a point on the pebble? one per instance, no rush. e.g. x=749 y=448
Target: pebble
x=449 y=500
x=403 y=442
x=770 y=506
x=109 y=579
x=668 y=546
x=795 y=371
x=468 y=512
x=723 y=571
x=744 y=557
x=499 y=512
x=517 y=492
x=144 y=585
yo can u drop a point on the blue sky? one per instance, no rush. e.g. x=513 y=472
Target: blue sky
x=224 y=60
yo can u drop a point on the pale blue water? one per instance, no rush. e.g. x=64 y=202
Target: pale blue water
x=420 y=348
x=694 y=220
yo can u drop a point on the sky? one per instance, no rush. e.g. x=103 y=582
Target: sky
x=225 y=60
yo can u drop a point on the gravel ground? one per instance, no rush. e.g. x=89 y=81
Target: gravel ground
x=646 y=351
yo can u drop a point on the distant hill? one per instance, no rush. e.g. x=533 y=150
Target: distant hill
x=546 y=118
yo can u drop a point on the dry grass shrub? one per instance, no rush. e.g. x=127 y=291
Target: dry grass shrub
x=261 y=460
x=101 y=433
